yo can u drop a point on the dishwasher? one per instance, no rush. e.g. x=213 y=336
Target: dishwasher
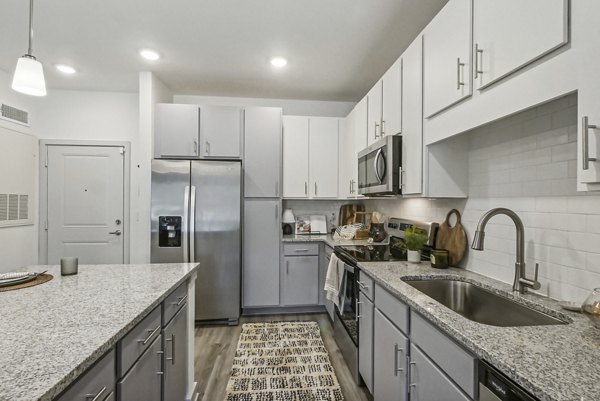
x=495 y=386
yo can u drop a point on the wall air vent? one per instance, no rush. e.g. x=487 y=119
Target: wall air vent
x=14 y=210
x=13 y=114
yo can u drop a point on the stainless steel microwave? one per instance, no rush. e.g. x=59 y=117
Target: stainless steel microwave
x=380 y=167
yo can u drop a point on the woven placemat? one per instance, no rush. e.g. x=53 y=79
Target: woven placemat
x=39 y=280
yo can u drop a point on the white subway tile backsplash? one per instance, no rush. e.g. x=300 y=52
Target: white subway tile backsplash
x=527 y=163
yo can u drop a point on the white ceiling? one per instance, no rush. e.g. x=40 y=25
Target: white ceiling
x=336 y=48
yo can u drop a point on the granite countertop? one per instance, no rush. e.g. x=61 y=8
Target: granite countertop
x=328 y=239
x=557 y=363
x=53 y=332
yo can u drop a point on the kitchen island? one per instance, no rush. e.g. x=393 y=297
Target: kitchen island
x=54 y=332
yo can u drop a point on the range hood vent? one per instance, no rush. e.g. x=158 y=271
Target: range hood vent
x=13 y=114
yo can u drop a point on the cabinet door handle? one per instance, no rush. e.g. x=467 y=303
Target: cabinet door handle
x=478 y=63
x=358 y=316
x=172 y=341
x=459 y=66
x=382 y=128
x=301 y=250
x=96 y=397
x=396 y=351
x=152 y=333
x=410 y=373
x=305 y=188
x=196 y=147
x=362 y=285
x=181 y=301
x=585 y=151
x=207 y=148
x=376 y=125
x=315 y=188
x=276 y=214
x=287 y=267
x=160 y=367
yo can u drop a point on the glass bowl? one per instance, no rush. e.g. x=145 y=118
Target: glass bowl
x=591 y=307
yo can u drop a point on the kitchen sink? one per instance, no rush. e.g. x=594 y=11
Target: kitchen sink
x=480 y=305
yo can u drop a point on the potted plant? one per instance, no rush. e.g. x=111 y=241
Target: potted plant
x=414 y=239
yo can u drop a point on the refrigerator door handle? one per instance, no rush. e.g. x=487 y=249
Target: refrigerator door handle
x=184 y=223
x=192 y=225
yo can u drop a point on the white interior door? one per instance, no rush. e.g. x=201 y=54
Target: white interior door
x=85 y=204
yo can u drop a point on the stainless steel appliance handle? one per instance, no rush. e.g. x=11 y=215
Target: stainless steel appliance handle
x=184 y=223
x=172 y=341
x=585 y=151
x=192 y=236
x=459 y=66
x=379 y=175
x=96 y=397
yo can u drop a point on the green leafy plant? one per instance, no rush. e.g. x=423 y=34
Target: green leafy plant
x=415 y=238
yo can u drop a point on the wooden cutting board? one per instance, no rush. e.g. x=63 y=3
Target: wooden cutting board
x=347 y=213
x=453 y=239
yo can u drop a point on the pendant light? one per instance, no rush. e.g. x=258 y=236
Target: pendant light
x=29 y=73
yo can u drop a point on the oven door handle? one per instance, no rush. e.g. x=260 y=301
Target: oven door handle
x=376 y=166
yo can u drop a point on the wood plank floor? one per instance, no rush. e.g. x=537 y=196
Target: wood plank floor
x=216 y=345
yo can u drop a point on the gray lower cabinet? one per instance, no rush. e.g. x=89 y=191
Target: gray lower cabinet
x=97 y=383
x=365 y=340
x=428 y=382
x=143 y=382
x=301 y=280
x=175 y=336
x=390 y=362
x=262 y=226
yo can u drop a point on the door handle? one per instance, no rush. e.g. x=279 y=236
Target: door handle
x=585 y=151
x=192 y=224
x=459 y=67
x=478 y=64
x=118 y=232
x=184 y=223
x=172 y=341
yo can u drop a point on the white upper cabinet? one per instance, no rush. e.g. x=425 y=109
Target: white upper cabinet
x=391 y=123
x=346 y=155
x=221 y=132
x=510 y=34
x=176 y=130
x=295 y=157
x=375 y=98
x=412 y=121
x=323 y=157
x=360 y=124
x=262 y=152
x=447 y=57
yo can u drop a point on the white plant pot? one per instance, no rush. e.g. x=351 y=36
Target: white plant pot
x=414 y=256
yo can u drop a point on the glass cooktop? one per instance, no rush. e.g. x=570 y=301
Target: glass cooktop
x=372 y=253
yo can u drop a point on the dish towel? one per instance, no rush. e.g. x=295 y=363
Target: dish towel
x=335 y=282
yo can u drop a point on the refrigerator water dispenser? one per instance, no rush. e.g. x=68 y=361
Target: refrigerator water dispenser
x=169 y=231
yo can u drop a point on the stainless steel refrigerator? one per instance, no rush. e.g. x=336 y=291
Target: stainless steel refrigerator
x=196 y=214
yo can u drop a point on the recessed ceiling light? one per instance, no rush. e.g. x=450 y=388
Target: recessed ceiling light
x=149 y=54
x=65 y=69
x=278 y=62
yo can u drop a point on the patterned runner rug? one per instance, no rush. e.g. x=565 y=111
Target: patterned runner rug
x=285 y=361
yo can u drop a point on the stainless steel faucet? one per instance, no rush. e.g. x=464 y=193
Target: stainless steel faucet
x=521 y=282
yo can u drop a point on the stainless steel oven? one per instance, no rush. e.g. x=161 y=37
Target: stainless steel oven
x=380 y=167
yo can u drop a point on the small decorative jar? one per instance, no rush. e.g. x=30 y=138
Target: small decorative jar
x=413 y=256
x=439 y=258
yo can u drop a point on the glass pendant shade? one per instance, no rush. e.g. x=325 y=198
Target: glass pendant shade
x=29 y=77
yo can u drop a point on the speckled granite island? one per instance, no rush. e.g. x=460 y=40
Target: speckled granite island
x=554 y=363
x=54 y=332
